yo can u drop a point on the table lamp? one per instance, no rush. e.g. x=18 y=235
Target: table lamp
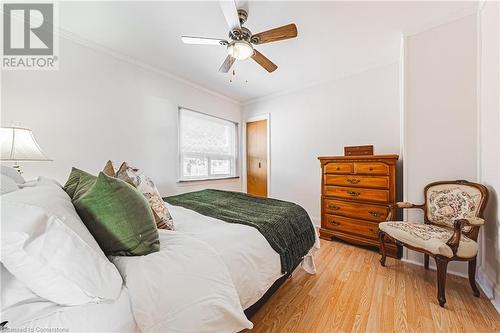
x=18 y=144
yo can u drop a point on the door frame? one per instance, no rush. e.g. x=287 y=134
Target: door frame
x=264 y=116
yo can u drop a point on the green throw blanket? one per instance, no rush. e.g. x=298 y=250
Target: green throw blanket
x=285 y=225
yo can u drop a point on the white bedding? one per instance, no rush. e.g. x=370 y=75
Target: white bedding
x=253 y=264
x=206 y=272
x=38 y=313
x=250 y=259
x=184 y=287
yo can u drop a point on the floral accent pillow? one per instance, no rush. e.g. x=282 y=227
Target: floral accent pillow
x=109 y=169
x=145 y=185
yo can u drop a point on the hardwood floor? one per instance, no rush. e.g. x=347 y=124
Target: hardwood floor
x=351 y=292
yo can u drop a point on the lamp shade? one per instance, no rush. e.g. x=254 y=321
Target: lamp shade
x=19 y=144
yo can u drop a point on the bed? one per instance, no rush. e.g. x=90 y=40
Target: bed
x=210 y=275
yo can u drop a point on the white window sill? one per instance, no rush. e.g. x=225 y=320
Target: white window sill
x=206 y=179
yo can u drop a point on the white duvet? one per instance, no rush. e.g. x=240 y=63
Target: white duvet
x=185 y=287
x=205 y=274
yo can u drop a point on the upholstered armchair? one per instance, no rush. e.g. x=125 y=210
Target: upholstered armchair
x=453 y=214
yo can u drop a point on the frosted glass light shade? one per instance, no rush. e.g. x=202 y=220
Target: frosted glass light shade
x=19 y=144
x=240 y=50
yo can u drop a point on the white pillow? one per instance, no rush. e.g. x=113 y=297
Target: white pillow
x=13 y=290
x=52 y=260
x=11 y=173
x=49 y=195
x=7 y=184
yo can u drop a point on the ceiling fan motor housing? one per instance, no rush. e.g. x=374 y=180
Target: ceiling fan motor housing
x=241 y=34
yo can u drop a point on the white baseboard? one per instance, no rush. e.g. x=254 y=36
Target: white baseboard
x=490 y=289
x=433 y=267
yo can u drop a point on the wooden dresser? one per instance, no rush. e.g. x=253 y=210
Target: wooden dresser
x=356 y=192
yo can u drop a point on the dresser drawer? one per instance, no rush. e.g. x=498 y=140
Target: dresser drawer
x=371 y=168
x=341 y=168
x=358 y=181
x=355 y=210
x=351 y=226
x=357 y=193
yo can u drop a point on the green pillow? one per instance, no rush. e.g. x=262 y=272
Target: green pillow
x=78 y=183
x=119 y=217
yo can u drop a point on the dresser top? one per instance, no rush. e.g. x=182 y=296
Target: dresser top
x=360 y=157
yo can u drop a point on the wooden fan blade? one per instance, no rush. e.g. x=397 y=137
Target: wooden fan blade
x=264 y=62
x=226 y=65
x=230 y=13
x=277 y=34
x=203 y=40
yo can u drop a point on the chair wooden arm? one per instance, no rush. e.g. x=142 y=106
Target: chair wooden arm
x=402 y=205
x=474 y=221
x=406 y=205
x=454 y=240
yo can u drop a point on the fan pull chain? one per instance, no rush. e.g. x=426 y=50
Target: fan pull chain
x=233 y=75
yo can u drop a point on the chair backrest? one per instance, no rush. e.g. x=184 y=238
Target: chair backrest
x=447 y=201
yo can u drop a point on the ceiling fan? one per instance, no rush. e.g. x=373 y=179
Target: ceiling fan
x=241 y=40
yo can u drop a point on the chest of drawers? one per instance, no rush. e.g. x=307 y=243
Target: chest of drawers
x=356 y=192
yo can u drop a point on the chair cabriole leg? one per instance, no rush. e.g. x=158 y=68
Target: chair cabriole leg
x=442 y=264
x=381 y=235
x=472 y=276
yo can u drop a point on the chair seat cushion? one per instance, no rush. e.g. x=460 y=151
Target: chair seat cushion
x=429 y=237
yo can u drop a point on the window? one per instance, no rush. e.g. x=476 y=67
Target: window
x=207 y=146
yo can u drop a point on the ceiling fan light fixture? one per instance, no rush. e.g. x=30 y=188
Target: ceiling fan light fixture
x=240 y=50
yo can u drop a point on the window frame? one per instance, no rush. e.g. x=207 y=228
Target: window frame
x=182 y=154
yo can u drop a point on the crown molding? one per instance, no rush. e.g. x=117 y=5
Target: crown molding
x=315 y=84
x=136 y=62
x=457 y=15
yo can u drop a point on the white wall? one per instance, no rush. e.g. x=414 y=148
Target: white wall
x=98 y=107
x=439 y=138
x=321 y=120
x=441 y=123
x=489 y=155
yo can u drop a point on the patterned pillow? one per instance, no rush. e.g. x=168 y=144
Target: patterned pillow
x=145 y=185
x=109 y=169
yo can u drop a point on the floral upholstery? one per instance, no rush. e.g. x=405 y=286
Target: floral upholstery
x=429 y=237
x=145 y=185
x=448 y=202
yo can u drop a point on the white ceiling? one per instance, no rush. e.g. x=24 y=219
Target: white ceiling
x=334 y=38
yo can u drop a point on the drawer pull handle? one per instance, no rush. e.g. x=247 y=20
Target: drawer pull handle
x=333 y=207
x=370 y=168
x=352 y=193
x=338 y=168
x=353 y=181
x=375 y=214
x=335 y=223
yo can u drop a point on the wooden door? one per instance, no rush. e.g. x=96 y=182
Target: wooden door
x=257 y=158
